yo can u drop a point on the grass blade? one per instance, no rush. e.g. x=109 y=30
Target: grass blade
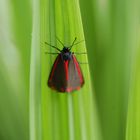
x=66 y=116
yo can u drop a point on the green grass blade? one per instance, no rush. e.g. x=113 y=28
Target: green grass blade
x=133 y=113
x=110 y=31
x=133 y=118
x=35 y=77
x=65 y=116
x=13 y=73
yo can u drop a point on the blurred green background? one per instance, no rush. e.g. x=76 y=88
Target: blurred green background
x=111 y=30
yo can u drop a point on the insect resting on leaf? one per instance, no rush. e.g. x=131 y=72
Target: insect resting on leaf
x=66 y=74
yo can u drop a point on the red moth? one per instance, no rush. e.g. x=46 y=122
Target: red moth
x=66 y=74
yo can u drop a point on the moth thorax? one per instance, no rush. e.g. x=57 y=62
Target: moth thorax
x=67 y=56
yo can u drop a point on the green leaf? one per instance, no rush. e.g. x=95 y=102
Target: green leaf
x=65 y=116
x=35 y=77
x=133 y=117
x=14 y=71
x=110 y=32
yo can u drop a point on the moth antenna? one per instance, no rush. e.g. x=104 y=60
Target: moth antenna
x=73 y=43
x=53 y=46
x=60 y=41
x=78 y=42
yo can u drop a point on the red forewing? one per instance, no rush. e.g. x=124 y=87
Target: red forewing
x=66 y=76
x=57 y=77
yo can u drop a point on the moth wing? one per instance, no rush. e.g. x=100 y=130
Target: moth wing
x=66 y=77
x=57 y=78
x=75 y=80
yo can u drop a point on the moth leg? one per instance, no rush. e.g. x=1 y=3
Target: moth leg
x=82 y=62
x=51 y=53
x=80 y=53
